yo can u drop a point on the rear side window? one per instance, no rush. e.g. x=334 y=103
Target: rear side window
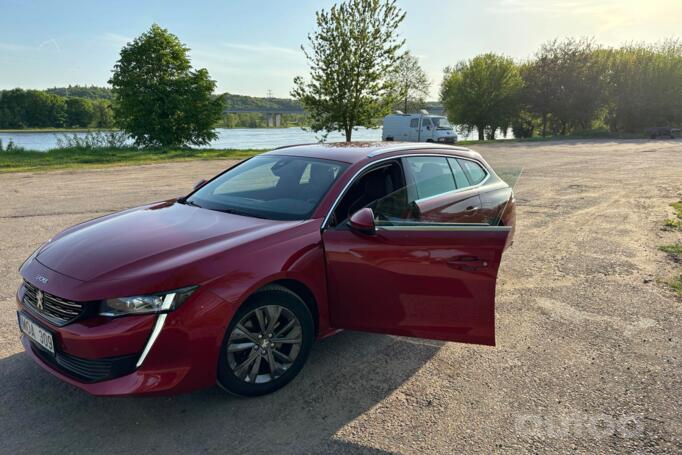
x=414 y=123
x=458 y=172
x=474 y=170
x=431 y=174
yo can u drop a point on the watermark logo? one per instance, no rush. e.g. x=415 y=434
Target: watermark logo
x=580 y=425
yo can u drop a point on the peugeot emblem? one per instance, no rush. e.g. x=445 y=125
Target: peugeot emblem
x=39 y=300
x=42 y=279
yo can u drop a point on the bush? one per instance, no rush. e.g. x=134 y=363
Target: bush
x=11 y=147
x=99 y=139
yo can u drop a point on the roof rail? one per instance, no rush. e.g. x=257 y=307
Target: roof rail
x=294 y=145
x=429 y=145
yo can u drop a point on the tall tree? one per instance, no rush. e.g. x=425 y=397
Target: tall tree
x=79 y=112
x=482 y=93
x=350 y=54
x=645 y=86
x=565 y=84
x=159 y=99
x=411 y=83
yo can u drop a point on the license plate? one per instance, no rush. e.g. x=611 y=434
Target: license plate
x=36 y=333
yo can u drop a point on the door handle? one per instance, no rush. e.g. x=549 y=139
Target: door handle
x=467 y=263
x=471 y=208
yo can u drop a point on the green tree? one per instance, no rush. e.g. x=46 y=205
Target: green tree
x=482 y=93
x=79 y=112
x=159 y=100
x=411 y=83
x=103 y=115
x=351 y=52
x=565 y=85
x=644 y=86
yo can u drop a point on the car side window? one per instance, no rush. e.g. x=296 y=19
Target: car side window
x=381 y=188
x=414 y=123
x=431 y=174
x=460 y=177
x=474 y=170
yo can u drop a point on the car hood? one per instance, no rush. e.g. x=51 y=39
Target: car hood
x=150 y=239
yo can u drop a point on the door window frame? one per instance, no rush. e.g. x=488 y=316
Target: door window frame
x=415 y=225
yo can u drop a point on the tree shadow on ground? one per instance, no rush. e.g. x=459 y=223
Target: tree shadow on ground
x=346 y=375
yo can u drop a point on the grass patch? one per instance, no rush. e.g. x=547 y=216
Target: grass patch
x=678 y=208
x=673 y=250
x=672 y=223
x=676 y=284
x=675 y=223
x=66 y=158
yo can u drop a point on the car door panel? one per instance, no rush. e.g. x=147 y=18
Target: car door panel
x=430 y=281
x=454 y=207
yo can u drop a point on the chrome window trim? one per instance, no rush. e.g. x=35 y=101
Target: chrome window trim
x=446 y=227
x=407 y=155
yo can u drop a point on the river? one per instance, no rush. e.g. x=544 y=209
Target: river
x=232 y=138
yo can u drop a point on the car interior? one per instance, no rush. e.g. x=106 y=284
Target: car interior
x=382 y=188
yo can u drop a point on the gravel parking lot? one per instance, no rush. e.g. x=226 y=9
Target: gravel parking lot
x=588 y=355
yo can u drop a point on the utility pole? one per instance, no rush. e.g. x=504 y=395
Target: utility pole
x=269 y=93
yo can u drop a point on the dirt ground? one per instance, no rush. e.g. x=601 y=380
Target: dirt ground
x=588 y=356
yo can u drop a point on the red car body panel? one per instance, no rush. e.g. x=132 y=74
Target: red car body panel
x=167 y=245
x=419 y=285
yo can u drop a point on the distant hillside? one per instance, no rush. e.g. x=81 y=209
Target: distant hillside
x=237 y=102
x=81 y=91
x=232 y=101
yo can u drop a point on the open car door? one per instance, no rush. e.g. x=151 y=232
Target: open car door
x=418 y=279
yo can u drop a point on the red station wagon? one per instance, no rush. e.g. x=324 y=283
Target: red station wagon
x=233 y=283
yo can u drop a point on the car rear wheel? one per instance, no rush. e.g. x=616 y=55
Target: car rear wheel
x=266 y=344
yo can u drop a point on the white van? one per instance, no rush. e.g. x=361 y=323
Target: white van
x=421 y=127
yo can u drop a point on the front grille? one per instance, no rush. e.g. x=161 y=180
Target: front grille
x=89 y=370
x=54 y=309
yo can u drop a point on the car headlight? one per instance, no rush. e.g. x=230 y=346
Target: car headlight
x=145 y=304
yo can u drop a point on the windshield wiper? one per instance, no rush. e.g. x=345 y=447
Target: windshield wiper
x=192 y=203
x=240 y=213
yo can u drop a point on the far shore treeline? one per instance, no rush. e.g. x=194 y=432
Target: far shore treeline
x=360 y=70
x=90 y=107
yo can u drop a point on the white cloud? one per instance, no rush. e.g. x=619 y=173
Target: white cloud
x=50 y=42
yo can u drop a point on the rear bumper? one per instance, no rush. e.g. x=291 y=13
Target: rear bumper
x=183 y=357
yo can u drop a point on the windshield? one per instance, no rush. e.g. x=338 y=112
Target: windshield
x=270 y=186
x=441 y=122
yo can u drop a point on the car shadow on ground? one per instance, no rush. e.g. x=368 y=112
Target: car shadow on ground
x=346 y=375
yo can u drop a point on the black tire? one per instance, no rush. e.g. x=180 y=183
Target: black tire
x=273 y=295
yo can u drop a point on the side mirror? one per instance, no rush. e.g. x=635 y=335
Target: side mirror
x=362 y=221
x=199 y=184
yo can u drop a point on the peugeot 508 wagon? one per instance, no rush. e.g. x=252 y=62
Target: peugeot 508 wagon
x=232 y=283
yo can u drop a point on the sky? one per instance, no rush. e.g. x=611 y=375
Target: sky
x=253 y=47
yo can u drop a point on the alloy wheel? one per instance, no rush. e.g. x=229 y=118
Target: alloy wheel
x=264 y=344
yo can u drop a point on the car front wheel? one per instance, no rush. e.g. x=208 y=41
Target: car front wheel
x=266 y=344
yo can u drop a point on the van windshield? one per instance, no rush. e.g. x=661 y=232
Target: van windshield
x=441 y=122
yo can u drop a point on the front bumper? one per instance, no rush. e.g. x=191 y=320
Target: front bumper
x=100 y=355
